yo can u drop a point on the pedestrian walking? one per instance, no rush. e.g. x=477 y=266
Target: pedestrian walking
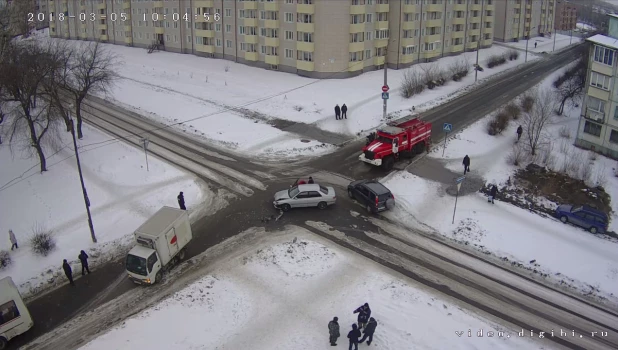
x=466 y=164
x=364 y=312
x=311 y=180
x=353 y=335
x=68 y=271
x=492 y=194
x=344 y=110
x=535 y=44
x=333 y=331
x=369 y=330
x=13 y=240
x=337 y=112
x=181 y=201
x=83 y=257
x=520 y=131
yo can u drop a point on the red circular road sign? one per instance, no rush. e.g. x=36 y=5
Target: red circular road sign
x=385 y=88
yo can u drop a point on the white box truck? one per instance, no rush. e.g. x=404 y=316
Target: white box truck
x=14 y=316
x=161 y=242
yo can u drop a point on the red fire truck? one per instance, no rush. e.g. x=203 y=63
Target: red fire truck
x=393 y=142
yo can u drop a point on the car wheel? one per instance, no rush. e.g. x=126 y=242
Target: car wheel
x=322 y=205
x=350 y=194
x=181 y=254
x=3 y=343
x=388 y=164
x=286 y=207
x=158 y=276
x=369 y=210
x=594 y=230
x=564 y=219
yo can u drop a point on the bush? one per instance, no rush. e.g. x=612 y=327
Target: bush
x=498 y=123
x=565 y=132
x=586 y=174
x=513 y=111
x=412 y=83
x=459 y=69
x=495 y=60
x=527 y=102
x=512 y=54
x=517 y=156
x=5 y=259
x=42 y=240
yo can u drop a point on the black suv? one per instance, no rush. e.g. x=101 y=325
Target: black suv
x=372 y=194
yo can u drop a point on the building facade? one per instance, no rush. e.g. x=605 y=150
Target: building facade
x=517 y=19
x=598 y=124
x=566 y=15
x=315 y=38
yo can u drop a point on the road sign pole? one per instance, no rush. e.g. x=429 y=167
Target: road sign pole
x=455 y=208
x=445 y=137
x=384 y=101
x=145 y=142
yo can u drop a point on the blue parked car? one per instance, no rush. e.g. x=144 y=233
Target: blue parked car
x=583 y=216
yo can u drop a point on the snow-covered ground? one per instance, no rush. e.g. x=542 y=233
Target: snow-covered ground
x=266 y=299
x=584 y=26
x=121 y=192
x=544 y=44
x=504 y=229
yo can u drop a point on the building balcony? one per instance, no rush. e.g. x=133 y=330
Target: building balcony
x=67 y=35
x=461 y=20
x=409 y=25
x=409 y=41
x=211 y=49
x=528 y=15
x=459 y=34
x=250 y=5
x=201 y=32
x=357 y=28
x=251 y=39
x=378 y=60
x=274 y=60
x=491 y=7
x=271 y=23
x=476 y=31
x=306 y=66
x=432 y=54
x=528 y=6
x=156 y=4
x=128 y=40
x=102 y=6
x=357 y=9
x=202 y=3
x=488 y=30
x=159 y=30
x=125 y=5
x=355 y=47
x=474 y=45
x=457 y=48
x=354 y=66
x=433 y=23
x=101 y=26
x=432 y=38
x=271 y=42
x=307 y=47
x=434 y=8
x=382 y=8
x=382 y=25
x=304 y=8
x=272 y=6
x=305 y=27
x=380 y=42
x=460 y=7
x=83 y=35
x=409 y=8
x=103 y=37
x=250 y=22
x=596 y=116
x=476 y=7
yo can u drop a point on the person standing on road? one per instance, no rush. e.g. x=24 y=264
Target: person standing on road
x=333 y=331
x=364 y=312
x=492 y=194
x=344 y=110
x=68 y=271
x=353 y=335
x=337 y=112
x=13 y=240
x=520 y=131
x=181 y=201
x=83 y=257
x=369 y=330
x=466 y=164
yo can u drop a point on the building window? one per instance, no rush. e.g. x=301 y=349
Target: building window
x=228 y=12
x=367 y=54
x=613 y=136
x=369 y=18
x=382 y=34
x=357 y=37
x=356 y=56
x=599 y=80
x=603 y=55
x=289 y=53
x=592 y=128
x=228 y=44
x=304 y=37
x=357 y=19
x=228 y=28
x=289 y=17
x=305 y=56
x=408 y=50
x=596 y=104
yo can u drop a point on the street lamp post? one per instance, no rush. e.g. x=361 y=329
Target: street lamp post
x=478 y=47
x=81 y=177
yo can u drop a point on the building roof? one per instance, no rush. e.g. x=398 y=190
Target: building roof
x=604 y=41
x=613 y=15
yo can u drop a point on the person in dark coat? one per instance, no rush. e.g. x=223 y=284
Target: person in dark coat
x=466 y=164
x=364 y=312
x=13 y=240
x=535 y=45
x=333 y=331
x=353 y=335
x=337 y=112
x=181 y=201
x=344 y=110
x=83 y=257
x=68 y=271
x=369 y=330
x=311 y=180
x=520 y=131
x=492 y=194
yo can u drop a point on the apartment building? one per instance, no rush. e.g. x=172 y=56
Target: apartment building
x=314 y=38
x=598 y=124
x=518 y=19
x=566 y=15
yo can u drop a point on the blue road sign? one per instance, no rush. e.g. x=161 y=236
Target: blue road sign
x=447 y=127
x=460 y=179
x=385 y=95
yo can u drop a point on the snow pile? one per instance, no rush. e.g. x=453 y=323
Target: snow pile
x=121 y=192
x=284 y=295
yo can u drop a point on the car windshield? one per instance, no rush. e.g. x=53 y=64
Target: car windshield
x=576 y=209
x=292 y=192
x=384 y=139
x=136 y=265
x=323 y=189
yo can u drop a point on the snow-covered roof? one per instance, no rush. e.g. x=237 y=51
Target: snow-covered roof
x=613 y=15
x=604 y=41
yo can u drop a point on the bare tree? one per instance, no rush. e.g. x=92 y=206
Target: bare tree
x=412 y=83
x=91 y=70
x=570 y=86
x=537 y=118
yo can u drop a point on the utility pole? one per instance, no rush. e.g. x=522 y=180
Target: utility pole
x=81 y=179
x=554 y=49
x=571 y=41
x=145 y=144
x=385 y=81
x=478 y=46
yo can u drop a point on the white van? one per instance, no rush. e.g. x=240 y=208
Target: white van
x=14 y=316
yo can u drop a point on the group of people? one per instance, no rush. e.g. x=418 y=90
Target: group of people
x=365 y=322
x=341 y=112
x=68 y=271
